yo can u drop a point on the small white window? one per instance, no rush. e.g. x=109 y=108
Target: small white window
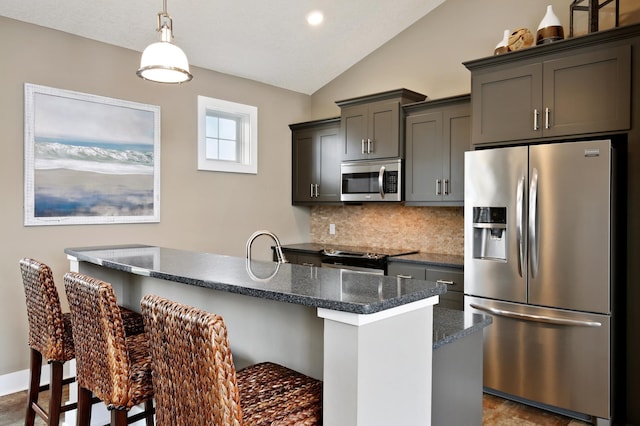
x=227 y=136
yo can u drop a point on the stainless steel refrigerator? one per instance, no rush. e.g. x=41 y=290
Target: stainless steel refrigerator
x=539 y=242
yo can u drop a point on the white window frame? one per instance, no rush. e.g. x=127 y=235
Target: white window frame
x=248 y=115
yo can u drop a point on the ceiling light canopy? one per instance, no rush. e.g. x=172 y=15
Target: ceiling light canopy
x=163 y=61
x=315 y=18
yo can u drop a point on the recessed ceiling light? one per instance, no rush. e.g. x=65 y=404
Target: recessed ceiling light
x=315 y=18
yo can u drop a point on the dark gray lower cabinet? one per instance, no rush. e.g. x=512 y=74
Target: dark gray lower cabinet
x=452 y=277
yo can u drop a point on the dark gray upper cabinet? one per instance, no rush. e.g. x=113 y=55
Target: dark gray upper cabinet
x=546 y=92
x=371 y=126
x=315 y=162
x=437 y=135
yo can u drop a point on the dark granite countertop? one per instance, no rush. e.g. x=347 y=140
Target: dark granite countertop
x=450 y=325
x=435 y=259
x=328 y=288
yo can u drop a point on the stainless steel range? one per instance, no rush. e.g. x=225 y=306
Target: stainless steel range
x=373 y=261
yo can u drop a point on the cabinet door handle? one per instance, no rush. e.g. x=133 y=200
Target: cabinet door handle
x=311 y=195
x=446 y=187
x=438 y=185
x=446 y=282
x=546 y=118
x=406 y=277
x=316 y=186
x=362 y=146
x=536 y=115
x=369 y=146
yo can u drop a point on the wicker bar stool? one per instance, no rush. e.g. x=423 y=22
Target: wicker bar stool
x=50 y=337
x=194 y=376
x=113 y=366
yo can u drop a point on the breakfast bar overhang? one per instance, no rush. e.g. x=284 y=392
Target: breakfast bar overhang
x=368 y=337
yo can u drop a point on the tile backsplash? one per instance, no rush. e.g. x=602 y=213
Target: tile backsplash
x=427 y=229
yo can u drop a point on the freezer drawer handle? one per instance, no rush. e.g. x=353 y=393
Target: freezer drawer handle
x=536 y=318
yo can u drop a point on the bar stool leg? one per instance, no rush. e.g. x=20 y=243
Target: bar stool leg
x=55 y=392
x=34 y=386
x=148 y=407
x=118 y=418
x=84 y=406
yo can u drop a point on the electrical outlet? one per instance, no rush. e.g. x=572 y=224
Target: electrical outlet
x=332 y=229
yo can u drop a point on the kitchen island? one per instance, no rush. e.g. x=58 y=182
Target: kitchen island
x=369 y=338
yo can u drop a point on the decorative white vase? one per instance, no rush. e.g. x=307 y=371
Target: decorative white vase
x=550 y=29
x=503 y=46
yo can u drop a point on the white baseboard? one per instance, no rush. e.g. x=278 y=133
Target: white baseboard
x=19 y=380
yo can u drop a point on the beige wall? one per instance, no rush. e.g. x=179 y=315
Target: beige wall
x=199 y=210
x=428 y=56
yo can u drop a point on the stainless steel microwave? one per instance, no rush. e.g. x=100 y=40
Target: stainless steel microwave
x=379 y=180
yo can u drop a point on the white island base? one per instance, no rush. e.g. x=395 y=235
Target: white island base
x=376 y=368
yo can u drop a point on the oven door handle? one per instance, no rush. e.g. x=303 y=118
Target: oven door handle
x=381 y=181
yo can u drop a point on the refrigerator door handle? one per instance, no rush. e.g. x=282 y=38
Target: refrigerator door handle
x=536 y=318
x=533 y=223
x=520 y=223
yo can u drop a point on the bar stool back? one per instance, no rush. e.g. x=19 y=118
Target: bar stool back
x=114 y=366
x=194 y=376
x=50 y=338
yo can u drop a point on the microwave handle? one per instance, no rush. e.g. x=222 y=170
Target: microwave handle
x=381 y=181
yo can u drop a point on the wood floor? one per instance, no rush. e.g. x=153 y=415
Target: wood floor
x=496 y=411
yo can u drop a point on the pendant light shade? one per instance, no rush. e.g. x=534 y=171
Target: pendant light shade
x=163 y=61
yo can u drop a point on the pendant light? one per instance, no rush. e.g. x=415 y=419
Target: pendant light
x=163 y=61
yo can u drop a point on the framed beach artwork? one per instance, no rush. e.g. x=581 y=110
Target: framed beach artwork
x=89 y=159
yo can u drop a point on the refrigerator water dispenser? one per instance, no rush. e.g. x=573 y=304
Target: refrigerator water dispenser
x=490 y=233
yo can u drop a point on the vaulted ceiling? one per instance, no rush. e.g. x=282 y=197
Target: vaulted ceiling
x=264 y=40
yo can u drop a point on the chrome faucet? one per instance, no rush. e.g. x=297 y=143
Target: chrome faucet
x=279 y=253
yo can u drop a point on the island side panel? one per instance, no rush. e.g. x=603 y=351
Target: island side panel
x=259 y=329
x=379 y=373
x=457 y=382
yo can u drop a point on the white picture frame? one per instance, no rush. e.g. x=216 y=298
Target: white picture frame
x=89 y=159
